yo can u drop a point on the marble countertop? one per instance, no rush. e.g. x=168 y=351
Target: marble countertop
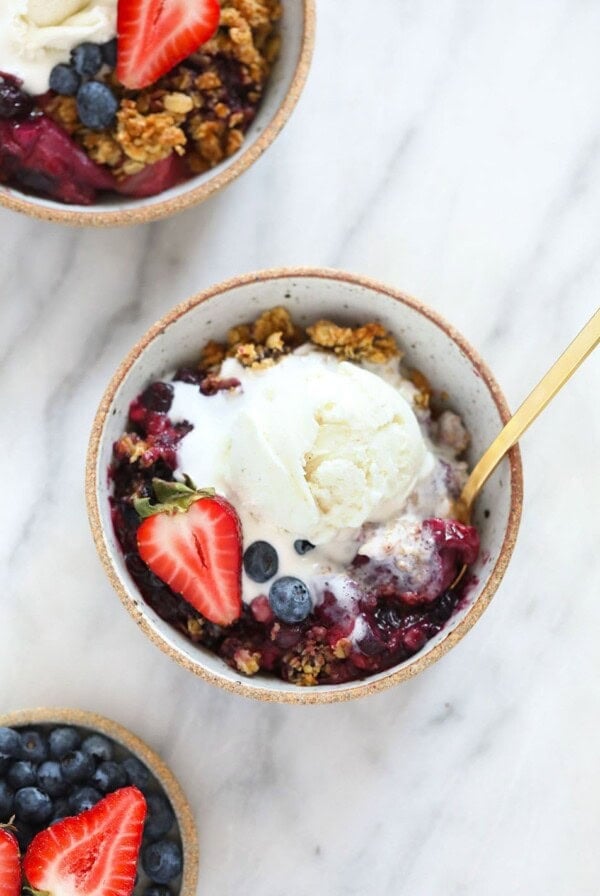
x=451 y=149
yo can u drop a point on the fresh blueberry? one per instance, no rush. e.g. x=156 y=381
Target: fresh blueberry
x=87 y=59
x=77 y=766
x=109 y=52
x=98 y=748
x=137 y=773
x=5 y=761
x=6 y=802
x=50 y=779
x=157 y=890
x=261 y=561
x=109 y=776
x=24 y=835
x=82 y=799
x=61 y=810
x=22 y=774
x=64 y=80
x=160 y=818
x=96 y=105
x=290 y=599
x=158 y=397
x=33 y=747
x=32 y=806
x=162 y=861
x=302 y=546
x=63 y=741
x=10 y=742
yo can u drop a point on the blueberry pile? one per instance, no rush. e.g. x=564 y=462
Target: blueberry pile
x=288 y=596
x=96 y=103
x=50 y=773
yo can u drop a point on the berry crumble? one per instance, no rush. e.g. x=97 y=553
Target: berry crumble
x=84 y=113
x=288 y=502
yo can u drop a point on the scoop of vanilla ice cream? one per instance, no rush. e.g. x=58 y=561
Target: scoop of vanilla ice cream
x=53 y=12
x=320 y=446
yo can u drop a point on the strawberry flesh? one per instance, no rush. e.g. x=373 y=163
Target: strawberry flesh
x=10 y=864
x=199 y=555
x=92 y=854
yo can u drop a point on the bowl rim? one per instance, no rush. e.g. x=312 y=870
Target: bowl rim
x=164 y=208
x=304 y=695
x=81 y=718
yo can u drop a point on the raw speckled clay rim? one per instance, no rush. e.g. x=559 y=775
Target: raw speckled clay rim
x=166 y=207
x=306 y=695
x=82 y=719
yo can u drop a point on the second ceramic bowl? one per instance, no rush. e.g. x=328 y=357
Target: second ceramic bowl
x=432 y=346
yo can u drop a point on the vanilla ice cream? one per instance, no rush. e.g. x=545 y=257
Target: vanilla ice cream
x=35 y=35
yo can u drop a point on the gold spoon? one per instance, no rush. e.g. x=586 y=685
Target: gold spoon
x=582 y=346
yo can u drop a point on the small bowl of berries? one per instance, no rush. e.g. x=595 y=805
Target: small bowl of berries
x=273 y=478
x=118 y=112
x=86 y=807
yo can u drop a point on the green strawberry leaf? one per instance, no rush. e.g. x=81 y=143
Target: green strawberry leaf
x=171 y=497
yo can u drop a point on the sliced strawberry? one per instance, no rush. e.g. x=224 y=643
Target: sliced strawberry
x=193 y=542
x=10 y=864
x=155 y=35
x=92 y=854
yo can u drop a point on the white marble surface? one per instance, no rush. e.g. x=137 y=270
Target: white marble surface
x=453 y=149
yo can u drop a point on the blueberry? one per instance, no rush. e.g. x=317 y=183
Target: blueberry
x=98 y=748
x=109 y=776
x=302 y=546
x=87 y=59
x=76 y=766
x=14 y=102
x=109 y=53
x=157 y=890
x=82 y=799
x=64 y=80
x=61 y=810
x=24 y=835
x=290 y=599
x=137 y=773
x=96 y=105
x=158 y=397
x=6 y=802
x=5 y=761
x=33 y=747
x=50 y=779
x=261 y=561
x=32 y=806
x=162 y=861
x=63 y=741
x=10 y=742
x=160 y=818
x=22 y=774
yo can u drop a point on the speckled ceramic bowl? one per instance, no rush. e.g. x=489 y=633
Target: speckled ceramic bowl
x=129 y=744
x=281 y=95
x=432 y=346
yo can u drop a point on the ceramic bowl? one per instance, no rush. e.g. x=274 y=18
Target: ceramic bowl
x=281 y=95
x=432 y=346
x=128 y=744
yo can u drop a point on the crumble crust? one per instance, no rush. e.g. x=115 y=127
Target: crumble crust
x=371 y=342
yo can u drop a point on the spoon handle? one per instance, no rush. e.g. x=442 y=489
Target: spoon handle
x=582 y=346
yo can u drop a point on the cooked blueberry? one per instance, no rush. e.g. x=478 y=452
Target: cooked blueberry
x=261 y=561
x=87 y=59
x=137 y=773
x=109 y=52
x=10 y=742
x=302 y=546
x=98 y=747
x=96 y=105
x=77 y=766
x=63 y=741
x=50 y=779
x=33 y=746
x=82 y=799
x=64 y=80
x=32 y=806
x=158 y=397
x=109 y=776
x=290 y=599
x=160 y=818
x=14 y=102
x=157 y=890
x=6 y=802
x=162 y=861
x=22 y=774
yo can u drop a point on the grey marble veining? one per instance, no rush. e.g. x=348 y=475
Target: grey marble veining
x=451 y=149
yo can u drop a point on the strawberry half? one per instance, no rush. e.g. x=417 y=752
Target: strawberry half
x=10 y=864
x=92 y=854
x=192 y=540
x=155 y=35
